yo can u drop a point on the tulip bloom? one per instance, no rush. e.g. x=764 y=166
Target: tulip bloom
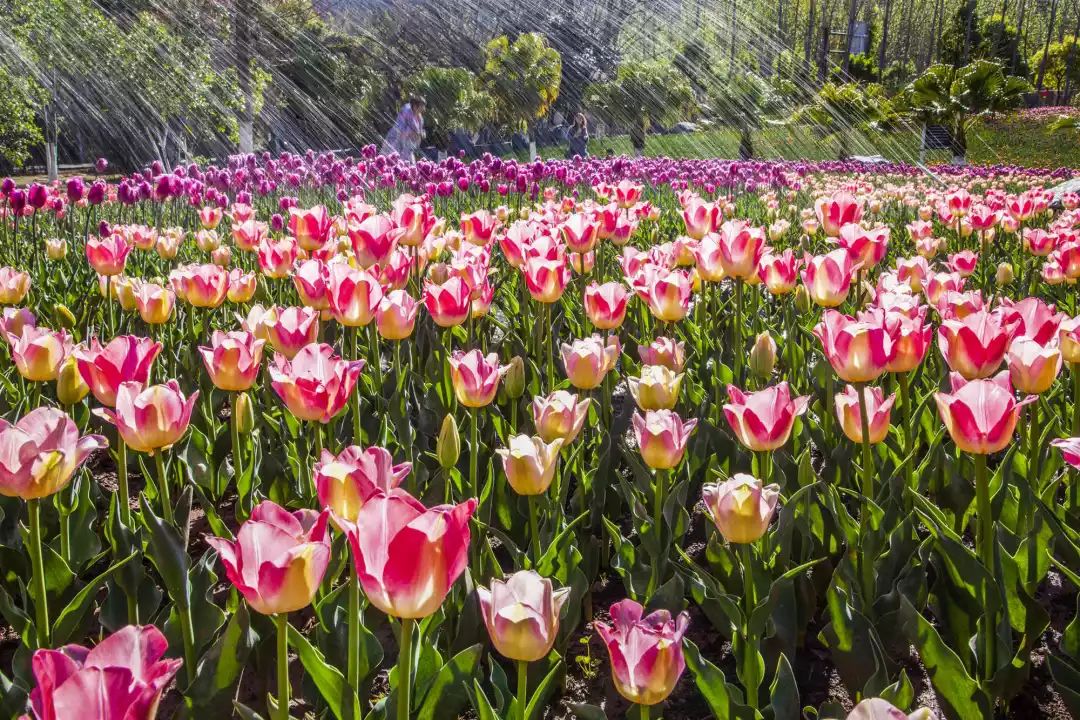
x=107 y=255
x=344 y=482
x=1035 y=319
x=478 y=227
x=605 y=305
x=1033 y=367
x=407 y=556
x=976 y=345
x=878 y=709
x=663 y=351
x=310 y=280
x=150 y=418
x=741 y=507
x=780 y=272
x=311 y=228
x=529 y=463
x=878 y=410
x=858 y=350
x=242 y=286
x=963 y=263
x=588 y=360
x=866 y=247
x=741 y=247
x=911 y=339
x=278 y=559
x=545 y=278
x=837 y=211
x=291 y=329
x=373 y=239
x=396 y=315
x=38 y=352
x=448 y=303
x=559 y=416
x=1070 y=450
x=763 y=420
x=124 y=359
x=656 y=389
x=646 y=652
x=701 y=218
x=203 y=285
x=354 y=295
x=154 y=303
x=276 y=257
x=580 y=233
x=522 y=615
x=476 y=377
x=980 y=414
x=668 y=295
x=315 y=384
x=120 y=678
x=661 y=437
x=828 y=277
x=232 y=360
x=1069 y=339
x=40 y=453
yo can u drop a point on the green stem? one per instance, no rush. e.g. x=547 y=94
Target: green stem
x=37 y=564
x=522 y=687
x=738 y=360
x=404 y=673
x=187 y=627
x=238 y=463
x=867 y=496
x=984 y=542
x=474 y=459
x=357 y=438
x=354 y=632
x=746 y=551
x=644 y=711
x=163 y=487
x=908 y=426
x=534 y=530
x=1076 y=399
x=282 y=622
x=122 y=481
x=658 y=528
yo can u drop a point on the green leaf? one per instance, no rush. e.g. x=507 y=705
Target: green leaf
x=723 y=699
x=327 y=679
x=446 y=695
x=535 y=709
x=168 y=551
x=71 y=617
x=584 y=711
x=481 y=703
x=784 y=693
x=221 y=666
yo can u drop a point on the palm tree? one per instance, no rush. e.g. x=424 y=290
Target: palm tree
x=957 y=97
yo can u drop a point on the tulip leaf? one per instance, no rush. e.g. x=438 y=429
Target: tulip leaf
x=535 y=708
x=783 y=693
x=960 y=694
x=723 y=698
x=14 y=615
x=71 y=617
x=446 y=695
x=584 y=711
x=1067 y=681
x=221 y=666
x=245 y=713
x=480 y=702
x=168 y=552
x=327 y=679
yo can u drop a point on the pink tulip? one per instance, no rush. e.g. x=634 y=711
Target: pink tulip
x=701 y=218
x=627 y=193
x=763 y=420
x=646 y=652
x=668 y=295
x=742 y=507
x=150 y=418
x=1039 y=242
x=1069 y=340
x=914 y=271
x=546 y=279
x=963 y=263
x=1033 y=367
x=277 y=257
x=38 y=352
x=107 y=255
x=124 y=359
x=835 y=212
x=605 y=305
x=939 y=284
x=396 y=315
x=278 y=559
x=858 y=350
x=911 y=339
x=580 y=233
x=522 y=615
x=354 y=295
x=530 y=463
x=588 y=360
x=663 y=351
x=980 y=414
x=291 y=329
x=121 y=678
x=448 y=303
x=250 y=235
x=242 y=286
x=559 y=416
x=233 y=359
x=1070 y=450
x=13 y=320
x=878 y=709
x=310 y=280
x=1035 y=319
x=40 y=453
x=661 y=437
x=828 y=277
x=374 y=240
x=780 y=273
x=976 y=345
x=478 y=227
x=958 y=202
x=407 y=556
x=476 y=377
x=210 y=216
x=741 y=247
x=311 y=227
x=203 y=285
x=315 y=384
x=344 y=482
x=867 y=248
x=154 y=303
x=878 y=409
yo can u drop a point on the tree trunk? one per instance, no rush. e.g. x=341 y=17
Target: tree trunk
x=1046 y=46
x=853 y=10
x=808 y=42
x=884 y=40
x=1021 y=36
x=734 y=22
x=52 y=132
x=243 y=41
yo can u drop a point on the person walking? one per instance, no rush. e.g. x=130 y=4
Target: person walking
x=578 y=137
x=407 y=131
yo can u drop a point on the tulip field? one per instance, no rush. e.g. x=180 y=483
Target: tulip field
x=315 y=436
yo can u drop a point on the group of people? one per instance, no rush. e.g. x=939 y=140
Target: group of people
x=407 y=132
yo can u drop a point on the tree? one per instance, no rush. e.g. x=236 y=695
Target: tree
x=19 y=132
x=523 y=76
x=742 y=103
x=957 y=97
x=455 y=99
x=962 y=35
x=1062 y=65
x=644 y=93
x=839 y=109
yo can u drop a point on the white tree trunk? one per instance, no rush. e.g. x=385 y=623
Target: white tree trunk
x=51 y=165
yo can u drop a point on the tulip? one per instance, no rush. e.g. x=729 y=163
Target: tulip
x=315 y=384
x=203 y=286
x=448 y=444
x=122 y=677
x=311 y=228
x=976 y=345
x=1069 y=339
x=656 y=389
x=233 y=359
x=763 y=355
x=911 y=339
x=1033 y=367
x=70 y=386
x=701 y=218
x=867 y=248
x=107 y=255
x=980 y=414
x=546 y=279
x=741 y=507
x=345 y=481
x=1004 y=274
x=763 y=420
x=291 y=329
x=605 y=305
x=878 y=410
x=645 y=652
x=310 y=280
x=276 y=257
x=250 y=235
x=668 y=296
x=154 y=303
x=396 y=315
x=354 y=295
x=587 y=361
x=210 y=216
x=13 y=320
x=963 y=263
x=913 y=271
x=741 y=247
x=40 y=453
x=663 y=351
x=878 y=709
x=522 y=615
x=780 y=273
x=242 y=286
x=559 y=416
x=478 y=227
x=828 y=277
x=1070 y=450
x=579 y=233
x=56 y=248
x=661 y=437
x=150 y=418
x=475 y=377
x=530 y=463
x=39 y=352
x=124 y=359
x=858 y=350
x=448 y=303
x=1034 y=318
x=373 y=239
x=835 y=212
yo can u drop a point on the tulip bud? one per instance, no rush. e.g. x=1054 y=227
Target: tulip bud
x=70 y=386
x=763 y=355
x=245 y=413
x=1004 y=274
x=64 y=317
x=514 y=382
x=448 y=446
x=802 y=299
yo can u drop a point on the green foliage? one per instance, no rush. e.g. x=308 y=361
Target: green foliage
x=523 y=76
x=19 y=96
x=455 y=98
x=1062 y=63
x=863 y=68
x=643 y=93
